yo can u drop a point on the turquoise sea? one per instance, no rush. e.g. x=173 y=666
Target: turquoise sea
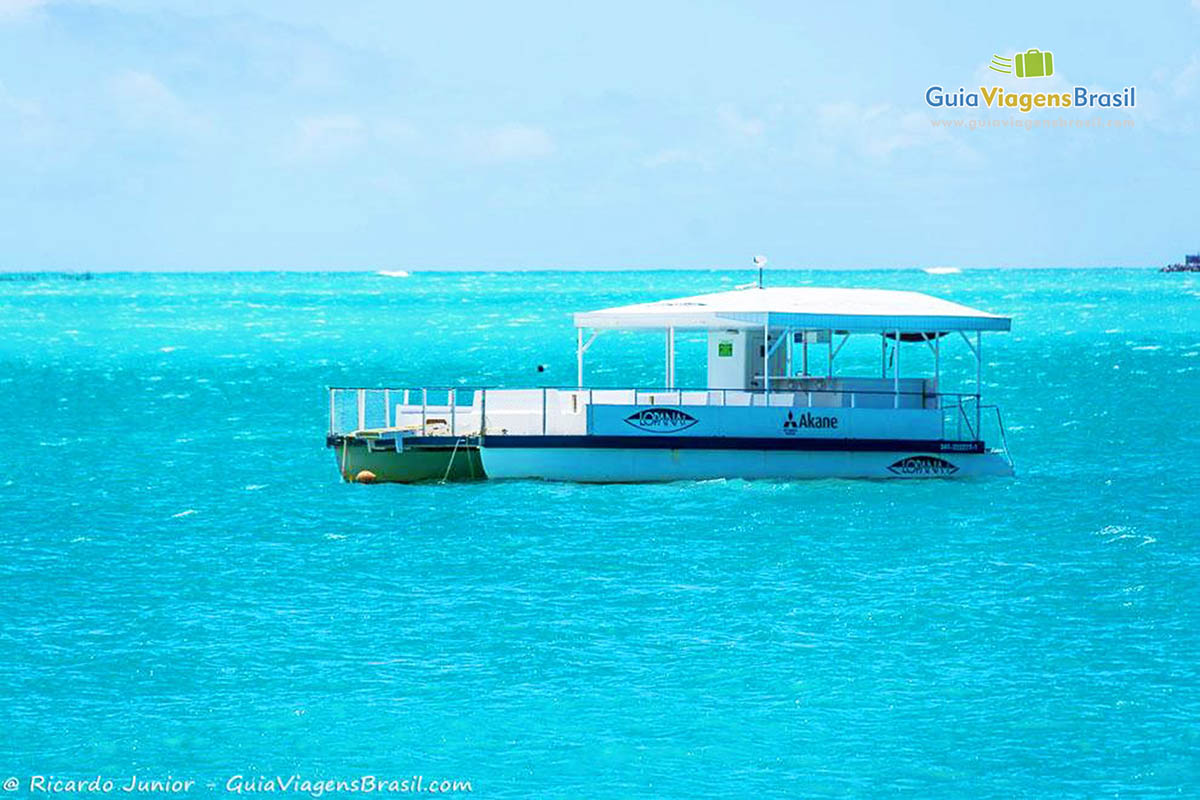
x=187 y=588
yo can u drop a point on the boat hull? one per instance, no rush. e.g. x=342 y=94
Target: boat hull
x=607 y=465
x=411 y=464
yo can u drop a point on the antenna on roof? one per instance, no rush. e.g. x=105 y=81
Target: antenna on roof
x=760 y=262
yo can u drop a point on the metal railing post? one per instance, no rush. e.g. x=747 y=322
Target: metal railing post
x=978 y=382
x=1004 y=437
x=362 y=409
x=387 y=408
x=543 y=412
x=896 y=371
x=453 y=411
x=424 y=403
x=482 y=411
x=332 y=412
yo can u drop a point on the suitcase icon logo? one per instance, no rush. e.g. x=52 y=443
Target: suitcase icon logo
x=1033 y=63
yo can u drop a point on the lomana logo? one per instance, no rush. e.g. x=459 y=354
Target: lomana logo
x=807 y=420
x=1032 y=63
x=922 y=465
x=661 y=420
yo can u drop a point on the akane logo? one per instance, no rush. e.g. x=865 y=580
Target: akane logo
x=922 y=465
x=793 y=424
x=661 y=420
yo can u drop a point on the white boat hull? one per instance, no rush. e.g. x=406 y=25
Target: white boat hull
x=612 y=465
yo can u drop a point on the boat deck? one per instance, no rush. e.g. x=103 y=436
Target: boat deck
x=818 y=410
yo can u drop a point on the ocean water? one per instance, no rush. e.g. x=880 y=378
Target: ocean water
x=187 y=588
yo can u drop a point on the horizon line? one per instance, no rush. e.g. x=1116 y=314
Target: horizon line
x=949 y=268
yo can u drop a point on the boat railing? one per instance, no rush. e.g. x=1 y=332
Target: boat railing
x=1003 y=434
x=462 y=411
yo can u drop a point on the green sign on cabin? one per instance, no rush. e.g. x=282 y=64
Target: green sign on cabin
x=724 y=349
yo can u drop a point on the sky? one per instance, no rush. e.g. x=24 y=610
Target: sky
x=218 y=135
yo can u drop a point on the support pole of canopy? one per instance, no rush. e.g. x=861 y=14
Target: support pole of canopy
x=581 y=347
x=830 y=354
x=970 y=346
x=806 y=354
x=766 y=361
x=883 y=355
x=978 y=382
x=579 y=355
x=937 y=366
x=896 y=375
x=787 y=342
x=670 y=358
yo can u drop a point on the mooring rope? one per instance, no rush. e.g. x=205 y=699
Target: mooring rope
x=450 y=465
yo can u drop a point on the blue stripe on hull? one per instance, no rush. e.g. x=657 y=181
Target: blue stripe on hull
x=732 y=443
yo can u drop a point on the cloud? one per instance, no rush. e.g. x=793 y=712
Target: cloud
x=144 y=101
x=1168 y=102
x=876 y=131
x=394 y=131
x=1186 y=81
x=510 y=142
x=738 y=125
x=327 y=137
x=11 y=9
x=24 y=117
x=675 y=156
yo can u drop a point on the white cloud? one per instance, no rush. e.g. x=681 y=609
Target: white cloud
x=11 y=9
x=144 y=101
x=24 y=117
x=509 y=143
x=673 y=156
x=741 y=126
x=325 y=137
x=143 y=89
x=1186 y=81
x=394 y=131
x=879 y=131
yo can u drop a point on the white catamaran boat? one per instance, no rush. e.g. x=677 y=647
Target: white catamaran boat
x=763 y=413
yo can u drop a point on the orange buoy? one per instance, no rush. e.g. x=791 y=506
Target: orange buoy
x=365 y=476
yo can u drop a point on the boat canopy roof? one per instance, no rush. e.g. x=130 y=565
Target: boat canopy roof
x=806 y=308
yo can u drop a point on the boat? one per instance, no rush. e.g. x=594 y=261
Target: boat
x=776 y=404
x=1191 y=263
